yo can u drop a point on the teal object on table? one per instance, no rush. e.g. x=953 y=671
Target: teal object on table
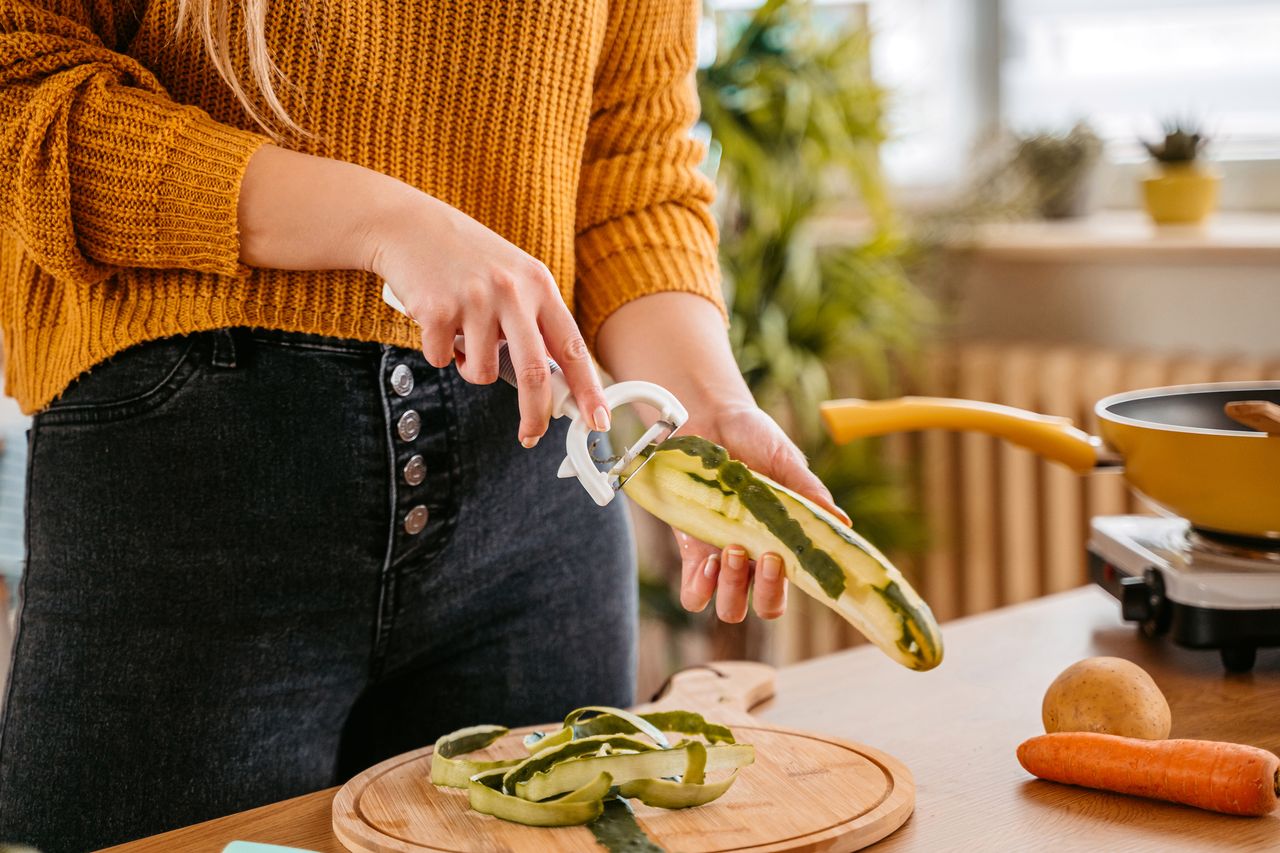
x=255 y=847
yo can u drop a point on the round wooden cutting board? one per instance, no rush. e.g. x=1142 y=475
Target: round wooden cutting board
x=804 y=791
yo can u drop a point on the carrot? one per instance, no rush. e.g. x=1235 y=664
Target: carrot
x=1222 y=777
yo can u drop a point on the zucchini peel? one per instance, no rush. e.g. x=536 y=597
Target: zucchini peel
x=484 y=792
x=600 y=753
x=611 y=721
x=692 y=484
x=691 y=790
x=624 y=767
x=451 y=772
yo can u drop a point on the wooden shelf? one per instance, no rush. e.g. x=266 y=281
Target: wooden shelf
x=1131 y=237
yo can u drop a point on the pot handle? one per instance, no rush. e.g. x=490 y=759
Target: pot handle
x=1051 y=437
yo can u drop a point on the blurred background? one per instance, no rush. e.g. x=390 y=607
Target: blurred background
x=1034 y=202
x=1031 y=202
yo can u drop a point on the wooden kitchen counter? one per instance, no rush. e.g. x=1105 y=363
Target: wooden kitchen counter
x=956 y=728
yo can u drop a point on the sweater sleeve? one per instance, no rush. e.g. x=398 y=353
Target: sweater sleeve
x=101 y=168
x=644 y=223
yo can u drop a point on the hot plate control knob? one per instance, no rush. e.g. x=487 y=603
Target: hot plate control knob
x=1160 y=614
x=1135 y=599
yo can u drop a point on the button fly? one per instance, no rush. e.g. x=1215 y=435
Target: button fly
x=409 y=425
x=415 y=470
x=415 y=520
x=402 y=380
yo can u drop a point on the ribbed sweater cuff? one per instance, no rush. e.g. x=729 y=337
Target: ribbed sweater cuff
x=199 y=190
x=159 y=184
x=643 y=253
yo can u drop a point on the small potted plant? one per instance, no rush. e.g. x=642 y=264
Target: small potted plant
x=1059 y=168
x=1185 y=191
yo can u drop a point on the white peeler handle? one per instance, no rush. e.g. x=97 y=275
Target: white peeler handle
x=578 y=462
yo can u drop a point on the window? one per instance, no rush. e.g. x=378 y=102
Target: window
x=1128 y=64
x=937 y=58
x=957 y=70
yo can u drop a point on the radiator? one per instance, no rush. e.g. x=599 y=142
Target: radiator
x=1005 y=526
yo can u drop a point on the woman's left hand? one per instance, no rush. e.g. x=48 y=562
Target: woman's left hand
x=678 y=340
x=752 y=437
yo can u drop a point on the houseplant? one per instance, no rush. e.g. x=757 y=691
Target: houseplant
x=1185 y=191
x=1058 y=169
x=796 y=122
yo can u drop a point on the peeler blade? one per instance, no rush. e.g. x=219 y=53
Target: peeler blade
x=656 y=434
x=603 y=485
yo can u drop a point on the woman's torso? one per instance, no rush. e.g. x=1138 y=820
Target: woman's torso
x=483 y=104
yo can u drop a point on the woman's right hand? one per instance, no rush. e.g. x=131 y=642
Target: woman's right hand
x=453 y=275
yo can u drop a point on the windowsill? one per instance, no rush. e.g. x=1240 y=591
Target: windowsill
x=1228 y=237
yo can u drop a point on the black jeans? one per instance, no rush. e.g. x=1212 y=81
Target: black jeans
x=228 y=600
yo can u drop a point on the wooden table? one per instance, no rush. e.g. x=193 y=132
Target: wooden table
x=957 y=728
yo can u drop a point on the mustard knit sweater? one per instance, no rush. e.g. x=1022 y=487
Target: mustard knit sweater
x=561 y=124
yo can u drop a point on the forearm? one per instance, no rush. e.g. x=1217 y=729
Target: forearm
x=301 y=212
x=453 y=274
x=677 y=340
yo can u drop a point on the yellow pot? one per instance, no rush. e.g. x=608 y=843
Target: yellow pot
x=1180 y=195
x=1178 y=446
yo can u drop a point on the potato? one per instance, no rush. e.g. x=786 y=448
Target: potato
x=1108 y=695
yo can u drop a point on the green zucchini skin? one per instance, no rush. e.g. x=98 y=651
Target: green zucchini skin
x=568 y=778
x=450 y=771
x=485 y=795
x=692 y=484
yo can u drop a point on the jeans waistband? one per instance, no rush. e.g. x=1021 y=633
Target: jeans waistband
x=301 y=340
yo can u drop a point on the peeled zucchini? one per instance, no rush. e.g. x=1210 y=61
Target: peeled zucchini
x=693 y=485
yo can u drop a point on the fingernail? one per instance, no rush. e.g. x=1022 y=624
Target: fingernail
x=529 y=442
x=770 y=567
x=712 y=566
x=602 y=419
x=735 y=559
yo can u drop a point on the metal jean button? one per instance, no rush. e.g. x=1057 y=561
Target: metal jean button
x=409 y=425
x=415 y=520
x=415 y=470
x=402 y=380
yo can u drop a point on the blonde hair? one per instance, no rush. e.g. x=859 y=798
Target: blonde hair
x=213 y=21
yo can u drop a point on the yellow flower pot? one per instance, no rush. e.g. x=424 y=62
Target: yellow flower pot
x=1181 y=195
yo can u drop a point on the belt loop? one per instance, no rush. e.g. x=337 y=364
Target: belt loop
x=224 y=349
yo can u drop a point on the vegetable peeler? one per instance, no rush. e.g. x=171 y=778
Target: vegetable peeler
x=579 y=461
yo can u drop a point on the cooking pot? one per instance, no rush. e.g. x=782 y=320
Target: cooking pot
x=1177 y=445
